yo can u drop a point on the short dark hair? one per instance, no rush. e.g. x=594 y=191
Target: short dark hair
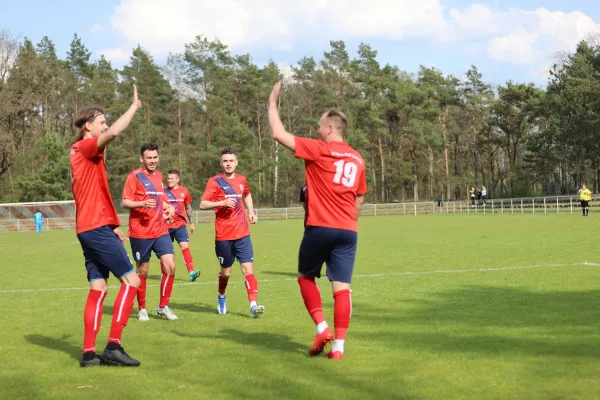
x=228 y=150
x=173 y=172
x=148 y=146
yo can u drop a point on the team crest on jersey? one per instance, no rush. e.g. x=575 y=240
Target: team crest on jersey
x=241 y=187
x=181 y=194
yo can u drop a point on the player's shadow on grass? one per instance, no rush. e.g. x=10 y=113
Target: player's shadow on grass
x=202 y=308
x=268 y=340
x=491 y=320
x=60 y=344
x=279 y=273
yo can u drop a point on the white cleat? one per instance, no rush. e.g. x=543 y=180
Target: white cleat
x=143 y=315
x=221 y=305
x=167 y=313
x=257 y=309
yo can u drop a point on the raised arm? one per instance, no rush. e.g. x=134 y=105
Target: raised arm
x=121 y=124
x=278 y=131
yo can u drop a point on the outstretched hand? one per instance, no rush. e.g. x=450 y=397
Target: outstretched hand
x=136 y=101
x=274 y=95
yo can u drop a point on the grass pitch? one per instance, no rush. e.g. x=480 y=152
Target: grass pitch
x=444 y=307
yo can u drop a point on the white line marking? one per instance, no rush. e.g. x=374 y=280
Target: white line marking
x=440 y=271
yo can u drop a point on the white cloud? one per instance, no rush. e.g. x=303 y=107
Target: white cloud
x=96 y=28
x=512 y=36
x=522 y=37
x=515 y=48
x=164 y=26
x=116 y=55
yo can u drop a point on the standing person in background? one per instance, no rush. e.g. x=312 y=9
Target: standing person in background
x=38 y=218
x=585 y=196
x=484 y=195
x=181 y=200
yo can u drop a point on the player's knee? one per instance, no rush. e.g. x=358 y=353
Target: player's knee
x=99 y=284
x=301 y=275
x=142 y=269
x=247 y=268
x=226 y=272
x=337 y=286
x=131 y=280
x=184 y=245
x=168 y=264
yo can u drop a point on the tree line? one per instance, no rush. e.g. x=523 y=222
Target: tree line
x=424 y=136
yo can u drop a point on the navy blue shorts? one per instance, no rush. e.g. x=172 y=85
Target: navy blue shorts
x=104 y=253
x=228 y=250
x=180 y=234
x=142 y=248
x=335 y=247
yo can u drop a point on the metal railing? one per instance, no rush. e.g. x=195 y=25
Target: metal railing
x=521 y=205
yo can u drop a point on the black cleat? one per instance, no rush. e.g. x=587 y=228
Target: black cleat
x=115 y=354
x=91 y=359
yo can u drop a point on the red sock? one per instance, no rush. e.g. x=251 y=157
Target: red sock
x=141 y=293
x=342 y=310
x=92 y=316
x=187 y=257
x=312 y=298
x=251 y=287
x=222 y=284
x=166 y=288
x=121 y=311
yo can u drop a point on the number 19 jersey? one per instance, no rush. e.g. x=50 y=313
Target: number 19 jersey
x=335 y=176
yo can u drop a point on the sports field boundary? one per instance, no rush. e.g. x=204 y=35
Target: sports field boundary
x=359 y=276
x=18 y=217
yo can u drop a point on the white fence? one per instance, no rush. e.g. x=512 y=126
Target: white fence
x=534 y=205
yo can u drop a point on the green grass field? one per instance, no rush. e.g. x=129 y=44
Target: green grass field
x=444 y=307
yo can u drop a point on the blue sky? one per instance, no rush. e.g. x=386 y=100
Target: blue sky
x=504 y=39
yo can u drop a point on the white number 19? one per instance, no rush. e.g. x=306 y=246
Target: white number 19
x=348 y=170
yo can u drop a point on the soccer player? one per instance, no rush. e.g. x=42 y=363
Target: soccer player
x=177 y=229
x=336 y=180
x=38 y=218
x=585 y=195
x=224 y=193
x=303 y=200
x=97 y=226
x=148 y=208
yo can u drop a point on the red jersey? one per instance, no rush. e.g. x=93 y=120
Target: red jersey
x=230 y=223
x=145 y=223
x=335 y=176
x=181 y=198
x=93 y=205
